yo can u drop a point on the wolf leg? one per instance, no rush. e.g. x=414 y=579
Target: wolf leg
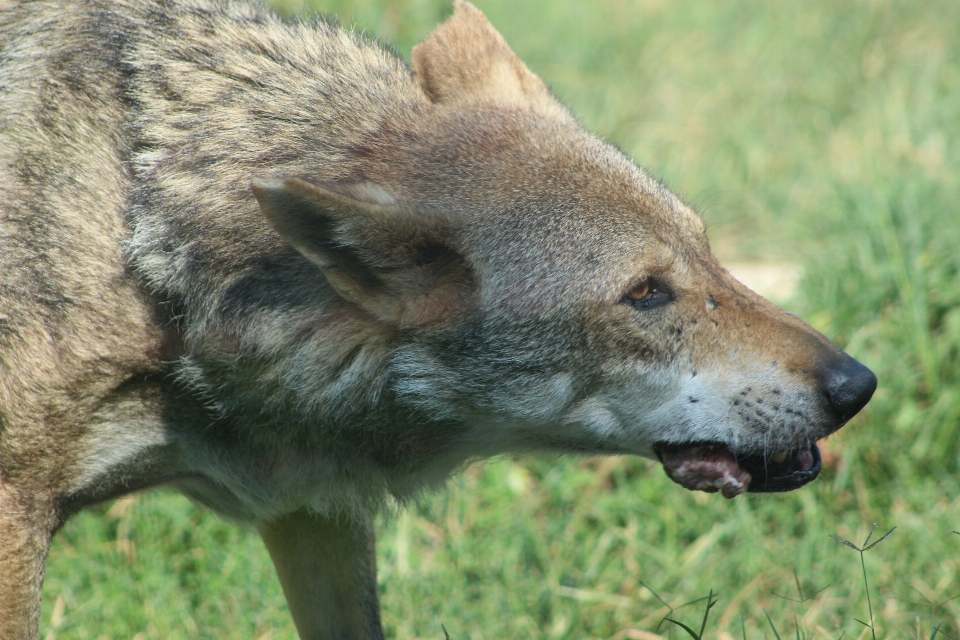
x=25 y=532
x=328 y=572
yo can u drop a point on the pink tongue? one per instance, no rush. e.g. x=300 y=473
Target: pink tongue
x=709 y=469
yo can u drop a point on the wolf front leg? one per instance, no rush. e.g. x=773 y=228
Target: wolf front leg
x=25 y=532
x=328 y=571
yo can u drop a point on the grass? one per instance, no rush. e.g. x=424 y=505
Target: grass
x=818 y=132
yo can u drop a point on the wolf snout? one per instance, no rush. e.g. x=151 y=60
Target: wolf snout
x=848 y=386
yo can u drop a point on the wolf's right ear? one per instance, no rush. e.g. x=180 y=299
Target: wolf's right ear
x=397 y=264
x=466 y=57
x=306 y=216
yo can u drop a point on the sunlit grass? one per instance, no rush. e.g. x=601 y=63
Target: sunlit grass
x=820 y=133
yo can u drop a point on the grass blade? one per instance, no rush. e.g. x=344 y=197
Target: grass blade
x=771 y=624
x=885 y=536
x=656 y=595
x=706 y=612
x=846 y=542
x=693 y=634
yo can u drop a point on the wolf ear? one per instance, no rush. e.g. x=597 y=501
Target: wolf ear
x=466 y=57
x=400 y=266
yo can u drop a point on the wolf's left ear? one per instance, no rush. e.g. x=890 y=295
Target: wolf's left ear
x=399 y=265
x=465 y=57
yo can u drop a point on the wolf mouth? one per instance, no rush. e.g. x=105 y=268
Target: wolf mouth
x=712 y=467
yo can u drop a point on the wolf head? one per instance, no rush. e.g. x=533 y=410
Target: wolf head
x=550 y=295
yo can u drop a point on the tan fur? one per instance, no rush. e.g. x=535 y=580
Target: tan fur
x=271 y=266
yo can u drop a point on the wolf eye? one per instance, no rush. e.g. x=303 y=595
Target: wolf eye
x=647 y=293
x=640 y=291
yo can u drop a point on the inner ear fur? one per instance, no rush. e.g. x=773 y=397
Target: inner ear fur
x=466 y=57
x=400 y=265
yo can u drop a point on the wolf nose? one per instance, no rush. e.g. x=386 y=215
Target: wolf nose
x=849 y=387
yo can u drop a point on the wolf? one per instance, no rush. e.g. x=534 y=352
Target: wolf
x=271 y=265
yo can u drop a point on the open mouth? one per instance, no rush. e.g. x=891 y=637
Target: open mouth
x=712 y=467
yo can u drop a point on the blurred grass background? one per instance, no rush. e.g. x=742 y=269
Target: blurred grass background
x=819 y=133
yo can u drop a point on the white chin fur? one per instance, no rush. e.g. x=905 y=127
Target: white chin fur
x=755 y=409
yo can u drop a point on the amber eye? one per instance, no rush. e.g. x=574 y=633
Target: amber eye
x=648 y=293
x=640 y=291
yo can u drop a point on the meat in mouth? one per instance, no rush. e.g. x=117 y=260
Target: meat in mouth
x=712 y=467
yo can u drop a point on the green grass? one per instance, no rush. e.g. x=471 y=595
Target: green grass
x=820 y=132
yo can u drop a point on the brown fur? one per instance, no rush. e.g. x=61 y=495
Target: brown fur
x=271 y=266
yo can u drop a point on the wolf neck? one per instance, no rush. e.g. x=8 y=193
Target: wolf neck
x=271 y=100
x=258 y=320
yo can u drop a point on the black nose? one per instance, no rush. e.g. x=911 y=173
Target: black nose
x=849 y=386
